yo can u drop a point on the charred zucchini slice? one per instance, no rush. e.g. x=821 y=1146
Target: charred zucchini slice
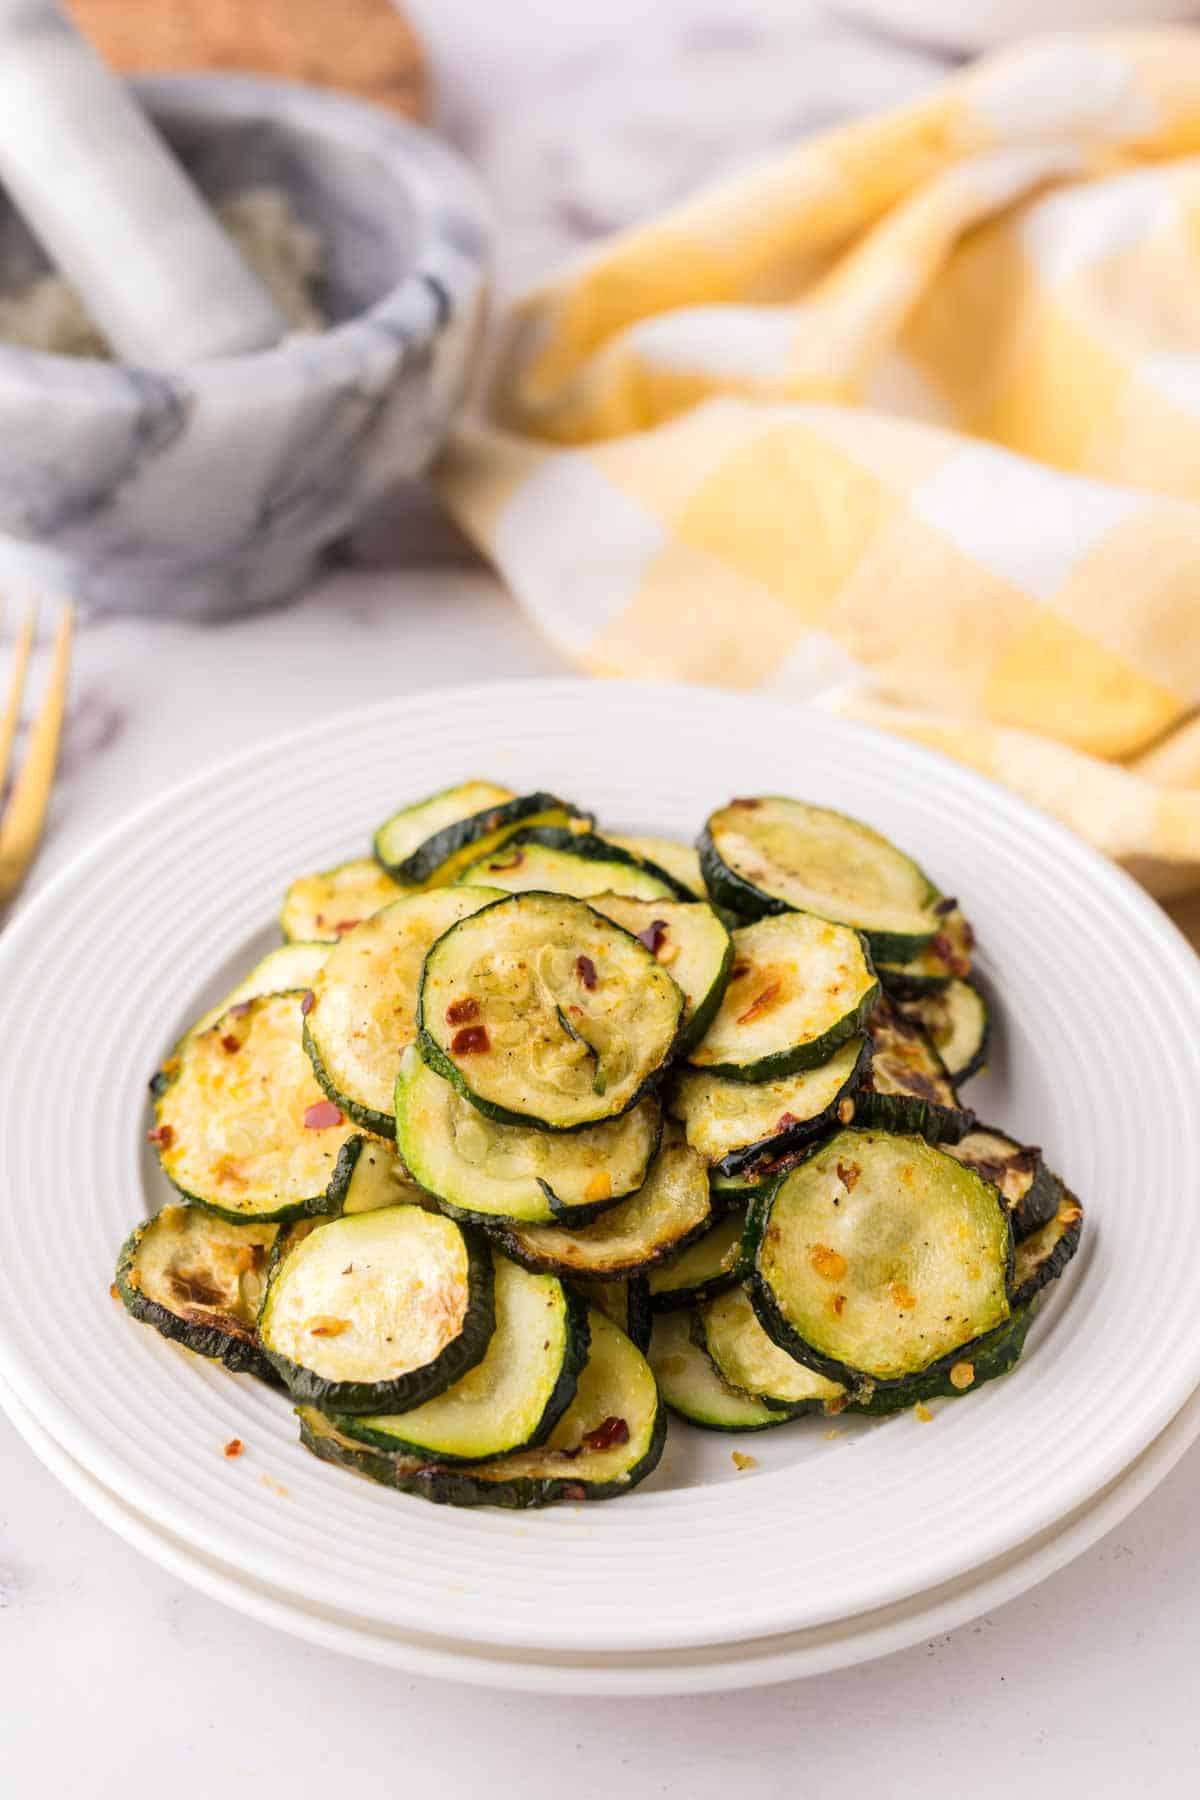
x=799 y=987
x=670 y=1208
x=241 y=1125
x=1030 y=1191
x=678 y=862
x=543 y=1013
x=199 y=1279
x=692 y=1386
x=956 y=1021
x=686 y=938
x=378 y=1312
x=877 y=1258
x=608 y=1440
x=746 y=1358
x=626 y=1303
x=429 y=844
x=362 y=1012
x=557 y=861
x=511 y=1400
x=907 y=1087
x=286 y=969
x=739 y=1126
x=946 y=956
x=323 y=907
x=1041 y=1258
x=980 y=1361
x=484 y=1170
x=703 y=1269
x=773 y=855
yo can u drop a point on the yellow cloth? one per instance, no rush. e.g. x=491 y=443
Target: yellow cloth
x=907 y=421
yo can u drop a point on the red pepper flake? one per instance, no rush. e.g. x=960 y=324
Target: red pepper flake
x=945 y=905
x=321 y=1115
x=308 y=1002
x=344 y=925
x=759 y=1005
x=241 y=1009
x=461 y=1012
x=574 y=1490
x=785 y=1121
x=233 y=1448
x=585 y=968
x=749 y=805
x=469 y=1040
x=162 y=1135
x=741 y=967
x=230 y=1044
x=610 y=1431
x=848 y=1174
x=653 y=935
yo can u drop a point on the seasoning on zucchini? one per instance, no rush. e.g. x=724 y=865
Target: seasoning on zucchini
x=772 y=855
x=907 y=1087
x=323 y=907
x=198 y=1279
x=877 y=1257
x=738 y=1126
x=956 y=1021
x=1041 y=1258
x=703 y=1269
x=483 y=1170
x=1030 y=1190
x=946 y=956
x=378 y=1312
x=692 y=1387
x=541 y=1012
x=553 y=860
x=428 y=844
x=626 y=1303
x=799 y=987
x=747 y=1359
x=677 y=861
x=289 y=968
x=982 y=1360
x=688 y=939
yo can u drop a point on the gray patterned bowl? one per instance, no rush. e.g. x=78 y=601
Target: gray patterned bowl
x=211 y=491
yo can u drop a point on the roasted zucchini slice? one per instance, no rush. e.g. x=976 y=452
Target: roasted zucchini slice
x=484 y=1170
x=772 y=855
x=946 y=956
x=289 y=968
x=427 y=845
x=556 y=861
x=799 y=987
x=626 y=1303
x=907 y=1087
x=1029 y=1190
x=877 y=1258
x=738 y=1127
x=323 y=907
x=362 y=1009
x=241 y=1125
x=980 y=1361
x=379 y=1179
x=678 y=862
x=956 y=1021
x=511 y=1400
x=1041 y=1258
x=378 y=1312
x=199 y=1279
x=608 y=1440
x=704 y=1268
x=692 y=1387
x=541 y=1012
x=746 y=1358
x=671 y=1207
x=688 y=939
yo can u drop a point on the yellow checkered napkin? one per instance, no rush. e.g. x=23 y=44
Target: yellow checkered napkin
x=907 y=422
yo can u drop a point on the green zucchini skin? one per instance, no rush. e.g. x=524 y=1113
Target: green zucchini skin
x=626 y=1303
x=694 y=1389
x=995 y=1353
x=926 y=1012
x=240 y=1353
x=588 y=846
x=704 y=1278
x=905 y=1116
x=755 y=1164
x=326 y=1205
x=379 y=1124
x=931 y=1108
x=999 y=1163
x=425 y=862
x=1042 y=1257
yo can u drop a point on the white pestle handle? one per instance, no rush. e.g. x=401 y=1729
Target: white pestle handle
x=113 y=208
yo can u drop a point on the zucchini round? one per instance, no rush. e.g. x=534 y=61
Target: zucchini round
x=980 y=1361
x=798 y=988
x=1041 y=1258
x=198 y=1279
x=626 y=1303
x=679 y=863
x=693 y=1388
x=1030 y=1191
x=773 y=855
x=907 y=1088
x=362 y=1012
x=703 y=1269
x=946 y=956
x=956 y=1021
x=514 y=1398
x=379 y=1312
x=323 y=907
x=747 y=1359
x=608 y=1440
x=428 y=844
x=552 y=860
x=482 y=1170
x=877 y=1257
x=689 y=940
x=670 y=1208
x=289 y=968
x=241 y=1125
x=738 y=1126
x=541 y=1012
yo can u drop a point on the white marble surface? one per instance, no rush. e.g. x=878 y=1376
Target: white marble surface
x=112 y=1673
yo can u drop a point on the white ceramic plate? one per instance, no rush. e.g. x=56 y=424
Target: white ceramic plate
x=1095 y=1059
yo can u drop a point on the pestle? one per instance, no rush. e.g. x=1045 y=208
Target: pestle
x=114 y=210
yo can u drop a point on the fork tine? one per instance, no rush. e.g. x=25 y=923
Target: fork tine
x=21 y=826
x=16 y=686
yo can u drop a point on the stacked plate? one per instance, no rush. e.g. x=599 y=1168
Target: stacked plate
x=843 y=1541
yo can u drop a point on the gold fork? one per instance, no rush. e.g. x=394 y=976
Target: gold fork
x=21 y=821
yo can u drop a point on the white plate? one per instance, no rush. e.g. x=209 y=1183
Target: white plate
x=1095 y=1059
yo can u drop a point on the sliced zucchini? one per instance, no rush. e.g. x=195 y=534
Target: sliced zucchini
x=511 y=1400
x=241 y=1125
x=557 y=861
x=947 y=955
x=693 y=1388
x=799 y=987
x=380 y=1179
x=739 y=1126
x=703 y=1269
x=289 y=968
x=608 y=1440
x=772 y=855
x=980 y=1361
x=686 y=938
x=877 y=1257
x=745 y=1357
x=670 y=1208
x=363 y=1007
x=541 y=1012
x=1042 y=1257
x=199 y=1280
x=378 y=1312
x=323 y=907
x=1030 y=1190
x=679 y=862
x=626 y=1303
x=907 y=1087
x=427 y=845
x=956 y=1021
